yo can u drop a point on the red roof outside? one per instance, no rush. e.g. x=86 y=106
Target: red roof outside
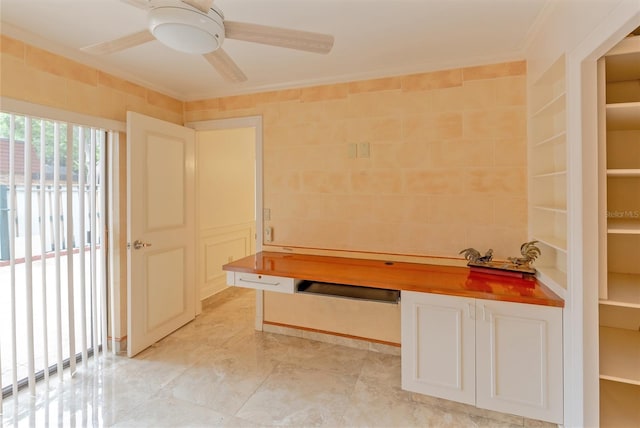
x=19 y=158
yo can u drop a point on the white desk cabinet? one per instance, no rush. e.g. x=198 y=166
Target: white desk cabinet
x=438 y=346
x=496 y=355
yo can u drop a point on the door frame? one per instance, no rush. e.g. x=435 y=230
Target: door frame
x=581 y=372
x=254 y=122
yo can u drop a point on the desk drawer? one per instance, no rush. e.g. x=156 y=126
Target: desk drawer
x=261 y=282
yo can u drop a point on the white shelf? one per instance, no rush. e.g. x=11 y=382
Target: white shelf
x=619 y=172
x=553 y=278
x=620 y=355
x=619 y=404
x=623 y=226
x=623 y=59
x=554 y=106
x=555 y=242
x=619 y=313
x=550 y=174
x=623 y=289
x=550 y=209
x=558 y=138
x=623 y=116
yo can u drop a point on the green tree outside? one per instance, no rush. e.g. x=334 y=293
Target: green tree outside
x=19 y=135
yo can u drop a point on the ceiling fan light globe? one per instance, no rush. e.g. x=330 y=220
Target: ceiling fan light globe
x=186 y=30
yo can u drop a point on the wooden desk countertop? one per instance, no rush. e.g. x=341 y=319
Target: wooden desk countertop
x=456 y=281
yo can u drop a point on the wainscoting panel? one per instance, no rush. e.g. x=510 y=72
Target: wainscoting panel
x=217 y=247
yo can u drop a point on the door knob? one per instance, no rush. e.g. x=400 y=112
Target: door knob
x=137 y=244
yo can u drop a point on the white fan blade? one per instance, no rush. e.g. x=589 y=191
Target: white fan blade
x=281 y=37
x=201 y=5
x=129 y=41
x=223 y=63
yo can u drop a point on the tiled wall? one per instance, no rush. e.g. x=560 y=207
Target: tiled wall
x=35 y=75
x=31 y=74
x=447 y=165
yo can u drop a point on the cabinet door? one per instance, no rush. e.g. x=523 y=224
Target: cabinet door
x=519 y=359
x=438 y=346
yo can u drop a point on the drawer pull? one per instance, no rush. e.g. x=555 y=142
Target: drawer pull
x=259 y=282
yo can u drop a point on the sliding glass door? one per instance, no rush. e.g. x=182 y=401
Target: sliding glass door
x=52 y=248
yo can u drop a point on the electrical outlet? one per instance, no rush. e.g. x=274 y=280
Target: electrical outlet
x=268 y=234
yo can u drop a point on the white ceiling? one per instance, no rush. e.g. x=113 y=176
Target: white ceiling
x=373 y=38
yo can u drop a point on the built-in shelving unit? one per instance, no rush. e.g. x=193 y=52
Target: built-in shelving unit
x=619 y=81
x=548 y=175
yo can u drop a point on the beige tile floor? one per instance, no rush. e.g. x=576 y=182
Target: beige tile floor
x=218 y=371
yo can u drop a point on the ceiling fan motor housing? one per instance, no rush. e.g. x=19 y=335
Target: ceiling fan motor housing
x=186 y=29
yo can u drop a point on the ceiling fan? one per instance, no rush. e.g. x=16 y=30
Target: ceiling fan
x=199 y=27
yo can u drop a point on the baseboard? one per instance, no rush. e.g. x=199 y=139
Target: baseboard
x=333 y=338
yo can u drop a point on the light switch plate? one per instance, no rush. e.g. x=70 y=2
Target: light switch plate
x=353 y=150
x=363 y=150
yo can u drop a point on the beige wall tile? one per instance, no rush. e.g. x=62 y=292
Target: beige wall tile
x=374 y=236
x=376 y=182
x=492 y=71
x=437 y=239
x=449 y=99
x=505 y=241
x=412 y=154
x=374 y=129
x=479 y=94
x=347 y=206
x=451 y=209
x=285 y=95
x=430 y=127
x=323 y=93
x=511 y=91
x=447 y=164
x=320 y=181
x=373 y=104
x=497 y=181
x=12 y=47
x=110 y=103
x=121 y=85
x=13 y=81
x=44 y=88
x=414 y=103
x=444 y=181
x=511 y=211
x=237 y=102
x=210 y=104
x=461 y=153
x=432 y=80
x=80 y=94
x=165 y=102
x=510 y=152
x=507 y=122
x=60 y=66
x=278 y=181
x=41 y=77
x=375 y=85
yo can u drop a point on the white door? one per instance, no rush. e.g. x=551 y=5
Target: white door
x=160 y=229
x=519 y=359
x=438 y=346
